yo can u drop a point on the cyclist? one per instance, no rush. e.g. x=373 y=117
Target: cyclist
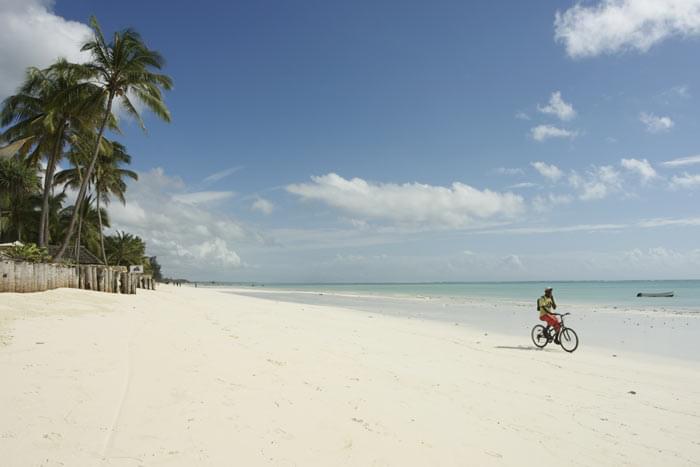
x=545 y=305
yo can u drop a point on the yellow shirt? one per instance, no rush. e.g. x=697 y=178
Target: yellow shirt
x=545 y=305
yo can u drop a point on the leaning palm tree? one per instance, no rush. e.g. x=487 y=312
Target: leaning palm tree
x=88 y=234
x=49 y=106
x=120 y=68
x=108 y=179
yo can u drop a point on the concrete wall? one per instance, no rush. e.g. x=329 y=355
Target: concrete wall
x=24 y=277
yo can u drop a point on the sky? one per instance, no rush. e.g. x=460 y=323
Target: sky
x=365 y=141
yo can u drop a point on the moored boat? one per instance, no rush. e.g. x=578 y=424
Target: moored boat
x=658 y=294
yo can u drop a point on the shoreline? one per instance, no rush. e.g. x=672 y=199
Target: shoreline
x=656 y=333
x=184 y=376
x=474 y=297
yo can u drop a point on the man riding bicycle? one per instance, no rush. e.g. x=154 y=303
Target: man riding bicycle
x=545 y=305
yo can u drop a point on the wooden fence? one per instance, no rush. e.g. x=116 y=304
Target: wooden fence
x=36 y=277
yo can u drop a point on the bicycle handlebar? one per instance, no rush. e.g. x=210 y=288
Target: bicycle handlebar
x=560 y=314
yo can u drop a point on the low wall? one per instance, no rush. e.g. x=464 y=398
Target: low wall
x=21 y=277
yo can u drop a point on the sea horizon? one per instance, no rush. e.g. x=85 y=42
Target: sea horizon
x=604 y=293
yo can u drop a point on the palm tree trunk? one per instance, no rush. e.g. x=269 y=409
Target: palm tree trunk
x=86 y=180
x=77 y=240
x=102 y=237
x=48 y=182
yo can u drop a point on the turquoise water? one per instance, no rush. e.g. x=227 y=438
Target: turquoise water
x=606 y=293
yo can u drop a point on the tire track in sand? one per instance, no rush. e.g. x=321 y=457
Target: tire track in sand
x=109 y=440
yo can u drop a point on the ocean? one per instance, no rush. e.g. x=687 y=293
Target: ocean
x=617 y=294
x=606 y=314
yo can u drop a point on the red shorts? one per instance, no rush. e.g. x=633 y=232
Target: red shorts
x=551 y=320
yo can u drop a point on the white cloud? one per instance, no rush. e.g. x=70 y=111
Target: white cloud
x=681 y=92
x=666 y=222
x=661 y=256
x=549 y=171
x=430 y=206
x=549 y=229
x=654 y=123
x=545 y=132
x=686 y=180
x=217 y=249
x=613 y=26
x=509 y=171
x=262 y=205
x=520 y=115
x=642 y=167
x=543 y=203
x=511 y=262
x=597 y=183
x=522 y=185
x=32 y=35
x=682 y=161
x=202 y=197
x=187 y=236
x=558 y=107
x=216 y=176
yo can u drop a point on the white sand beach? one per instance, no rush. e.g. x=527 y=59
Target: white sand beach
x=197 y=377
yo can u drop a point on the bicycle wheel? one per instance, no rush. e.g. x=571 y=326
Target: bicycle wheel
x=539 y=337
x=568 y=339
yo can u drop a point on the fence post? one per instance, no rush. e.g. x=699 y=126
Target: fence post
x=7 y=276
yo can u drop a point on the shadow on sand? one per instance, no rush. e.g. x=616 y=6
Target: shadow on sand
x=521 y=347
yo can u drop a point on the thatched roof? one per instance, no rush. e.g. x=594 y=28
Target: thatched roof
x=70 y=256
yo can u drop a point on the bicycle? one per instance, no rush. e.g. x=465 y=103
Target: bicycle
x=566 y=337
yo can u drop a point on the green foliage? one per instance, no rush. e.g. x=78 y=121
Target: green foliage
x=125 y=249
x=29 y=252
x=118 y=69
x=18 y=181
x=89 y=225
x=155 y=268
x=61 y=112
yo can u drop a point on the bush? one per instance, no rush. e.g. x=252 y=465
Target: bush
x=29 y=252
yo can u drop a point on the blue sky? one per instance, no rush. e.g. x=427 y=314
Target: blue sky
x=406 y=141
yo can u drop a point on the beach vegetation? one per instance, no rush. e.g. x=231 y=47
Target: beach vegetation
x=29 y=252
x=120 y=70
x=62 y=130
x=125 y=249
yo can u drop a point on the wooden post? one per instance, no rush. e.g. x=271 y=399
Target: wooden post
x=19 y=270
x=7 y=276
x=32 y=283
x=44 y=276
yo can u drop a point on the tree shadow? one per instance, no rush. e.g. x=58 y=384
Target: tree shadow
x=521 y=347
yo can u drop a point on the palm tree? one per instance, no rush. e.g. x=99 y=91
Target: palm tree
x=18 y=182
x=48 y=107
x=108 y=177
x=89 y=226
x=120 y=68
x=125 y=249
x=109 y=181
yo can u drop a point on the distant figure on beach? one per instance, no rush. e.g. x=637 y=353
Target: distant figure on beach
x=545 y=305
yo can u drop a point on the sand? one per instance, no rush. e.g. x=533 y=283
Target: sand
x=190 y=377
